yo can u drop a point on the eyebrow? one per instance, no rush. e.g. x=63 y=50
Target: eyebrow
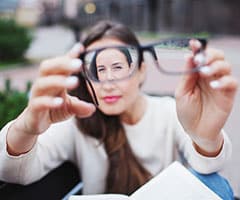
x=116 y=63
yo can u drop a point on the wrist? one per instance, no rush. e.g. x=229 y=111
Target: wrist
x=209 y=148
x=19 y=142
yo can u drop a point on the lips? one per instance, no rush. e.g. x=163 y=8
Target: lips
x=111 y=99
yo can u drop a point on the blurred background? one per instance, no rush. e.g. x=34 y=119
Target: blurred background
x=33 y=30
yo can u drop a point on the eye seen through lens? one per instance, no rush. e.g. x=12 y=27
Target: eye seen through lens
x=111 y=63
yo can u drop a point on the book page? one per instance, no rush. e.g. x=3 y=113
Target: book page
x=175 y=182
x=100 y=197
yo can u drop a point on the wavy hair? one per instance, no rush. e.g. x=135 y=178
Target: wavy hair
x=125 y=173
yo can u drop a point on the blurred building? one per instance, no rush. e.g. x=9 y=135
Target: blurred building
x=31 y=12
x=219 y=16
x=25 y=12
x=8 y=8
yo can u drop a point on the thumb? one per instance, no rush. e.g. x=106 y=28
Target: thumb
x=76 y=50
x=188 y=81
x=81 y=108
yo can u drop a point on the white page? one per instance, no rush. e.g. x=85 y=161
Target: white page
x=100 y=197
x=175 y=182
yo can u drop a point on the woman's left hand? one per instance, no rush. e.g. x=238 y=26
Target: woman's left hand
x=205 y=99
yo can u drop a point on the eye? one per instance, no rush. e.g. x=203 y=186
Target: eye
x=101 y=69
x=117 y=67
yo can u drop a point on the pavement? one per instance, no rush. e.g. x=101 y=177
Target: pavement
x=53 y=41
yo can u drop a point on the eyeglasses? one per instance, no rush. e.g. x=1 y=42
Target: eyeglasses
x=117 y=63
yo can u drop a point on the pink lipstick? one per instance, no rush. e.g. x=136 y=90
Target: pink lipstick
x=111 y=99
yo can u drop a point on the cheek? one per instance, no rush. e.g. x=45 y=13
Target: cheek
x=131 y=87
x=130 y=91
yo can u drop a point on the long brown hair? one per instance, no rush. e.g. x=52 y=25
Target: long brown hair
x=125 y=173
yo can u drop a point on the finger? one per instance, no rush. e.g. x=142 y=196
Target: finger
x=53 y=85
x=195 y=45
x=61 y=65
x=213 y=54
x=216 y=69
x=81 y=108
x=45 y=103
x=225 y=83
x=76 y=50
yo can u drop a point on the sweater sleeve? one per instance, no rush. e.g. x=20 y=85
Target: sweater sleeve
x=198 y=162
x=51 y=149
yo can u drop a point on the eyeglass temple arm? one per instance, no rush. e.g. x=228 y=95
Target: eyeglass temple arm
x=94 y=96
x=203 y=41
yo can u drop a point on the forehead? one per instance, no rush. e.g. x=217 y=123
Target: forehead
x=104 y=42
x=110 y=54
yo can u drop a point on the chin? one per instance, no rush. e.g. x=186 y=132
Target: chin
x=111 y=110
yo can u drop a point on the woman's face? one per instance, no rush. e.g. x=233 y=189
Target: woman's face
x=112 y=64
x=115 y=98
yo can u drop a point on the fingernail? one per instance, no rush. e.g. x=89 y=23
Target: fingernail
x=57 y=101
x=76 y=48
x=205 y=70
x=71 y=81
x=200 y=59
x=198 y=44
x=76 y=63
x=214 y=84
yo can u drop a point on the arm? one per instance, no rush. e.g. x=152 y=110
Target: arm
x=201 y=163
x=49 y=103
x=52 y=148
x=205 y=99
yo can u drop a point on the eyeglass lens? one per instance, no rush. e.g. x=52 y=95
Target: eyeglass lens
x=111 y=63
x=170 y=56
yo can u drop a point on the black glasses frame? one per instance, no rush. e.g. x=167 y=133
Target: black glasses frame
x=179 y=42
x=176 y=42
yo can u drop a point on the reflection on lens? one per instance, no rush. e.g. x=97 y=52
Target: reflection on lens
x=171 y=58
x=111 y=63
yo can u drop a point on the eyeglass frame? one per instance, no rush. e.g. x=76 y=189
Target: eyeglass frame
x=140 y=50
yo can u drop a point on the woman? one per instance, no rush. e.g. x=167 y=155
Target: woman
x=129 y=137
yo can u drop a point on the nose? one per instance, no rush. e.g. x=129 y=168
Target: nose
x=108 y=85
x=109 y=75
x=106 y=76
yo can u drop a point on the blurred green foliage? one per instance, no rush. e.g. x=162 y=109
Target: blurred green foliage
x=12 y=103
x=14 y=40
x=155 y=36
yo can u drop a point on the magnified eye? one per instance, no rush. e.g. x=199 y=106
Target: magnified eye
x=111 y=63
x=117 y=67
x=101 y=69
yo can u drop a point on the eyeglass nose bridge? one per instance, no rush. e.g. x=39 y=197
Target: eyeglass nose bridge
x=151 y=50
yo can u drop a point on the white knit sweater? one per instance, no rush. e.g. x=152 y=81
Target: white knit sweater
x=155 y=141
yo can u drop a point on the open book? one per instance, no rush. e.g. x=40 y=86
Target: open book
x=174 y=182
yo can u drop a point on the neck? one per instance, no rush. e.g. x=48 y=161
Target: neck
x=136 y=112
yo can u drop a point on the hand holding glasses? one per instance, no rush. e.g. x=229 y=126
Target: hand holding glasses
x=167 y=56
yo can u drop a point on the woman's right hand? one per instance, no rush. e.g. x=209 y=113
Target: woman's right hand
x=49 y=101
